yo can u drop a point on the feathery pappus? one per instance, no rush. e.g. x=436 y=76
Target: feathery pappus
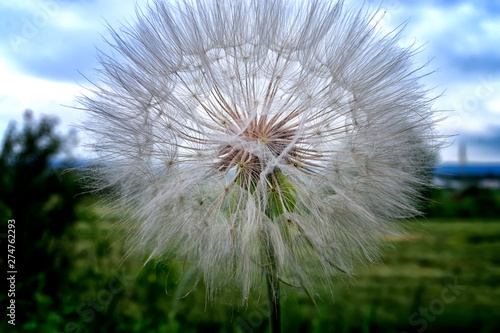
x=235 y=133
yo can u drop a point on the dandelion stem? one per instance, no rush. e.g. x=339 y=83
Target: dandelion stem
x=273 y=294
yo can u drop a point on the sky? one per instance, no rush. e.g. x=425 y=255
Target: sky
x=47 y=47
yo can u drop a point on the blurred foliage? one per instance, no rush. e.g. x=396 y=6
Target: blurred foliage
x=471 y=202
x=74 y=274
x=41 y=200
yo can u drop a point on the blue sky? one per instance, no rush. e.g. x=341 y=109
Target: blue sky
x=46 y=46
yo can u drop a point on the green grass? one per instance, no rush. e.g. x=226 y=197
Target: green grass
x=107 y=293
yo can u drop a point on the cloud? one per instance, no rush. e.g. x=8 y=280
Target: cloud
x=54 y=39
x=463 y=36
x=483 y=144
x=19 y=92
x=44 y=45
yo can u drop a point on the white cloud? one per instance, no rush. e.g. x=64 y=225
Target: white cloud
x=493 y=105
x=19 y=92
x=44 y=41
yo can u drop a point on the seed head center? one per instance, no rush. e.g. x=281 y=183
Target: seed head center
x=274 y=134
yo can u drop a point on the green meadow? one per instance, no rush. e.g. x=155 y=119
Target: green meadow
x=443 y=276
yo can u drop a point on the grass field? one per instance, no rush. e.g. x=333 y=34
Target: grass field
x=443 y=277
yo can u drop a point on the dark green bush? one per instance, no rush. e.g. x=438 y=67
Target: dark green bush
x=35 y=192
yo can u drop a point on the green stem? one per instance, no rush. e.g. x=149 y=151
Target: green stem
x=281 y=199
x=273 y=295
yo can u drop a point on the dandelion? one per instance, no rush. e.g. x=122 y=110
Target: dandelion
x=261 y=141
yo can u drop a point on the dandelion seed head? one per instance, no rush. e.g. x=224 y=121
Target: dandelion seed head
x=228 y=128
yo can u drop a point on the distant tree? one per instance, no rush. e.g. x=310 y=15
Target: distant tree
x=34 y=192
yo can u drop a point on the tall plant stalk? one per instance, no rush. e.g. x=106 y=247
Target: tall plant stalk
x=273 y=296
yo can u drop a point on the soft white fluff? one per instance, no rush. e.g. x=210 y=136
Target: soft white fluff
x=238 y=132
